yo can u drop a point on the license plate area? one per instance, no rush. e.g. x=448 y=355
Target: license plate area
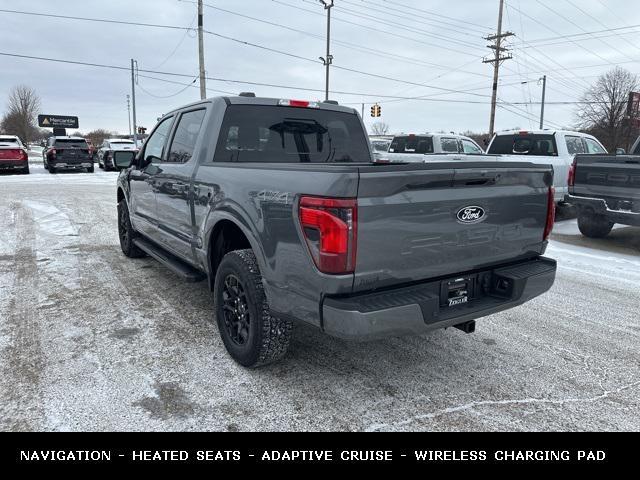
x=457 y=291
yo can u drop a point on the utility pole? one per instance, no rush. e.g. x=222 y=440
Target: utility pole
x=544 y=88
x=129 y=112
x=328 y=60
x=133 y=103
x=203 y=81
x=497 y=59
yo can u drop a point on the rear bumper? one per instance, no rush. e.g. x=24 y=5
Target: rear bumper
x=417 y=309
x=71 y=165
x=13 y=164
x=600 y=207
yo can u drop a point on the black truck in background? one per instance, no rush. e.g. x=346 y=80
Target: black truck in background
x=605 y=190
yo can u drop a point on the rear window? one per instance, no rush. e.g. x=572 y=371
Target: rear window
x=269 y=134
x=123 y=143
x=412 y=144
x=524 y=144
x=380 y=145
x=71 y=143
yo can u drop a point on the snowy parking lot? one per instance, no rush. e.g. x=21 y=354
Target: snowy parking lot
x=92 y=340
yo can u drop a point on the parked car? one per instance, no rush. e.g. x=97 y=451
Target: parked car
x=115 y=152
x=418 y=147
x=65 y=152
x=606 y=190
x=278 y=203
x=13 y=154
x=554 y=147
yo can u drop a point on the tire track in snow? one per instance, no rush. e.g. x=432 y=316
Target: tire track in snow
x=21 y=374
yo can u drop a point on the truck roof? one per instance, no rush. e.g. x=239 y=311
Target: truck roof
x=541 y=132
x=247 y=100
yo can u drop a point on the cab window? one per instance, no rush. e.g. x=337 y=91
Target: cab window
x=449 y=145
x=574 y=145
x=470 y=147
x=185 y=136
x=154 y=146
x=593 y=146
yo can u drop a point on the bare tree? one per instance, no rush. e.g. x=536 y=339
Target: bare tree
x=22 y=111
x=380 y=128
x=603 y=110
x=96 y=137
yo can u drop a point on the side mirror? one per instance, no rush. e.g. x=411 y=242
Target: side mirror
x=124 y=160
x=620 y=151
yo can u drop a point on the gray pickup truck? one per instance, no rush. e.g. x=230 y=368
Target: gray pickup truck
x=605 y=190
x=278 y=203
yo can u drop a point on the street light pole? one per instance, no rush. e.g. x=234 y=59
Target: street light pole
x=328 y=59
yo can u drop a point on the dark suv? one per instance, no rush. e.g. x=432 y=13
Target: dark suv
x=66 y=152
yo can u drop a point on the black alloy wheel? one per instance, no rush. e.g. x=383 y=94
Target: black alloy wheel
x=237 y=318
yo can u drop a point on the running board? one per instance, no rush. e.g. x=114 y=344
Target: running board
x=186 y=272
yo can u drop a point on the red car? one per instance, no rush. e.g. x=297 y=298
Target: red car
x=13 y=154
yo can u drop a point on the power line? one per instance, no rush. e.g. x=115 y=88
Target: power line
x=555 y=12
x=171 y=95
x=353 y=46
x=601 y=23
x=370 y=28
x=431 y=12
x=261 y=47
x=421 y=19
x=290 y=87
x=593 y=32
x=182 y=38
x=388 y=22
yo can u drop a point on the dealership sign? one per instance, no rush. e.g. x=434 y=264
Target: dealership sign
x=51 y=121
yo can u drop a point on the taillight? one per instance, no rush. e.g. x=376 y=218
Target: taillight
x=572 y=173
x=24 y=155
x=53 y=151
x=329 y=226
x=551 y=213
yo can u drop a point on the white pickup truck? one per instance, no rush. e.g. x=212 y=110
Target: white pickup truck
x=549 y=147
x=417 y=148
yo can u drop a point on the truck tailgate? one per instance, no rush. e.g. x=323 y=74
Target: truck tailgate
x=612 y=177
x=422 y=221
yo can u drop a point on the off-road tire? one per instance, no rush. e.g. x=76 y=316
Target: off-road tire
x=52 y=169
x=25 y=170
x=126 y=233
x=268 y=336
x=90 y=169
x=593 y=226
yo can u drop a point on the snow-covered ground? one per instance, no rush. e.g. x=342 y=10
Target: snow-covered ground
x=91 y=340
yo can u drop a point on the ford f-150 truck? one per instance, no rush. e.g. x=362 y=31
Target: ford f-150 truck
x=555 y=147
x=279 y=205
x=605 y=190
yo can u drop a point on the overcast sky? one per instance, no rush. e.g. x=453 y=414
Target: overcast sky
x=429 y=43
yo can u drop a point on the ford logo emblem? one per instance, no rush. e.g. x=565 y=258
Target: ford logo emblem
x=470 y=214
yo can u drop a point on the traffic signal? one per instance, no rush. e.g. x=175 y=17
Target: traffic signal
x=142 y=130
x=376 y=110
